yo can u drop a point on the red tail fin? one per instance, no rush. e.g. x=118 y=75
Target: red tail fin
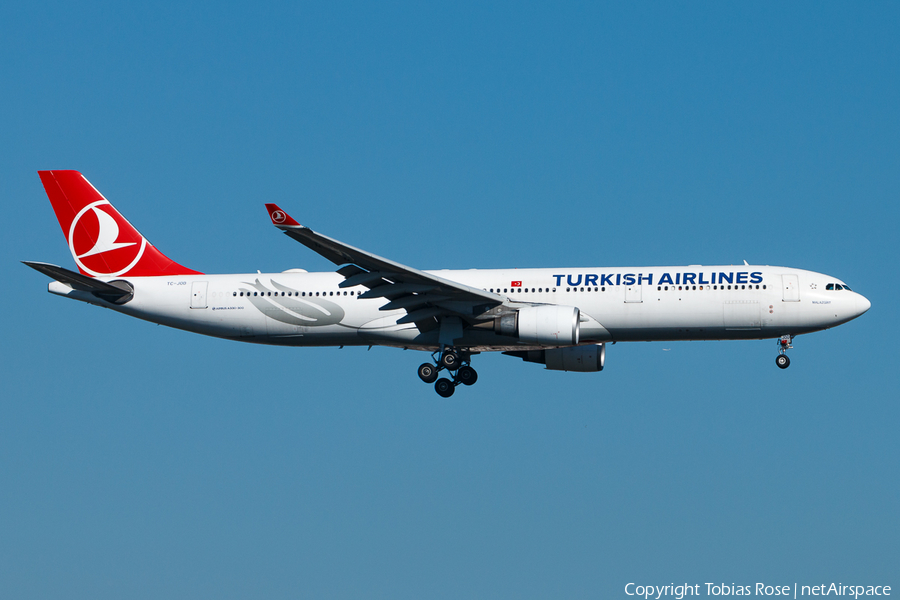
x=103 y=243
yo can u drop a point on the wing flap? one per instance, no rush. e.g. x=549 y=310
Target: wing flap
x=421 y=315
x=412 y=301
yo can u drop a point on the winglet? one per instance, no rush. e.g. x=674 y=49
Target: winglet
x=279 y=217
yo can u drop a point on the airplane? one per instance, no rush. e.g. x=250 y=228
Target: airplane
x=562 y=318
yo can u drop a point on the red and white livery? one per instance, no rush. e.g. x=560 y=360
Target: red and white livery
x=562 y=318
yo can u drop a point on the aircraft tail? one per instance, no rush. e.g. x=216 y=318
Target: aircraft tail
x=103 y=243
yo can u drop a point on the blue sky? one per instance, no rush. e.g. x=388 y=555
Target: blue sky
x=142 y=462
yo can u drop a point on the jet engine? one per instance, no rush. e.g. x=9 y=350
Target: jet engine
x=542 y=325
x=584 y=359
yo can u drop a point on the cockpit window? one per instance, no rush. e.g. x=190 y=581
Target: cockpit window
x=847 y=287
x=830 y=286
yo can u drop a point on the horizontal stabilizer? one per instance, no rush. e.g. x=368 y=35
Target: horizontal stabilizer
x=77 y=281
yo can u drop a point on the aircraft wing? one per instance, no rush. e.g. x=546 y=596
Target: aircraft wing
x=426 y=297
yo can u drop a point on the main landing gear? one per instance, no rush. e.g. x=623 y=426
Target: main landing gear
x=456 y=363
x=784 y=344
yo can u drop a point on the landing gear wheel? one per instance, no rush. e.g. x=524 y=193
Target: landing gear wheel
x=782 y=361
x=444 y=388
x=466 y=375
x=450 y=360
x=428 y=372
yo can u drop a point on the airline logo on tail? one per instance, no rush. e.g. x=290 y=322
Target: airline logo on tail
x=98 y=244
x=102 y=242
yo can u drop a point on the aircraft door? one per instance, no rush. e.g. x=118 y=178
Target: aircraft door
x=791 y=288
x=198 y=294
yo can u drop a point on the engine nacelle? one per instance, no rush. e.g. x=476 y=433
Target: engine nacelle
x=542 y=325
x=584 y=359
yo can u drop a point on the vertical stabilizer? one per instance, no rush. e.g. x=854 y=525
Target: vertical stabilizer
x=102 y=242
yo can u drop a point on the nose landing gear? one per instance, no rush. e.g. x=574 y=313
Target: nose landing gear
x=457 y=363
x=784 y=344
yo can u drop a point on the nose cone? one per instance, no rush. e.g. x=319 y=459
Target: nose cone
x=862 y=304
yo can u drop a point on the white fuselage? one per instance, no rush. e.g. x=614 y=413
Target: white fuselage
x=296 y=308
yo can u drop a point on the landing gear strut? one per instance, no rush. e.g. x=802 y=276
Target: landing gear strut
x=784 y=344
x=456 y=363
